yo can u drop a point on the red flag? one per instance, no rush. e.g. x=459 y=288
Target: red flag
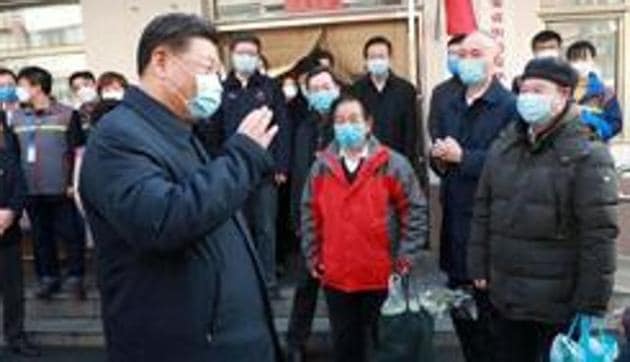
x=460 y=17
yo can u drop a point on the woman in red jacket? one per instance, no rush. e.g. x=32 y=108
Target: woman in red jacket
x=363 y=218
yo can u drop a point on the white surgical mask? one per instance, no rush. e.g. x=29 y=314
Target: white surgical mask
x=583 y=68
x=87 y=94
x=548 y=53
x=23 y=95
x=290 y=91
x=116 y=95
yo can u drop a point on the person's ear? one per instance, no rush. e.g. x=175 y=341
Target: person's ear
x=159 y=61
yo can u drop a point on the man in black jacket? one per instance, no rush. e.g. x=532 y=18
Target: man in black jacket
x=12 y=197
x=247 y=89
x=545 y=221
x=391 y=99
x=312 y=134
x=178 y=273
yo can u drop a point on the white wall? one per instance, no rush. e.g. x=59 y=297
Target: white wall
x=113 y=27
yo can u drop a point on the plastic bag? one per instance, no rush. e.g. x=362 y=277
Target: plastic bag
x=594 y=345
x=405 y=329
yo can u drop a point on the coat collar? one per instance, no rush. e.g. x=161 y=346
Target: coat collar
x=158 y=116
x=232 y=82
x=377 y=156
x=565 y=138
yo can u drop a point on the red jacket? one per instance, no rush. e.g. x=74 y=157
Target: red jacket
x=356 y=232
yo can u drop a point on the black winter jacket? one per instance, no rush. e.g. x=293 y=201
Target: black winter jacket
x=545 y=222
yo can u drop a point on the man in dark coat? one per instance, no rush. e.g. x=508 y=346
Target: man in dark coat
x=466 y=127
x=179 y=277
x=545 y=220
x=245 y=90
x=12 y=198
x=390 y=99
x=447 y=88
x=312 y=134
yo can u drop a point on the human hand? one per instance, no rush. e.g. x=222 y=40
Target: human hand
x=256 y=127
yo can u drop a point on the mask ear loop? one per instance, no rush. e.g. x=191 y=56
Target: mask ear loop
x=175 y=87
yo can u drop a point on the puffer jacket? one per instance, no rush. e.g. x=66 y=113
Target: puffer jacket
x=545 y=223
x=357 y=232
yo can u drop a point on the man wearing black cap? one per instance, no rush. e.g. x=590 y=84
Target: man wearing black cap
x=544 y=226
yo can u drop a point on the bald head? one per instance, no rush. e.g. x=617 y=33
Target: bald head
x=479 y=47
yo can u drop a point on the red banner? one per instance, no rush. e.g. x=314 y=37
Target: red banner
x=311 y=5
x=460 y=17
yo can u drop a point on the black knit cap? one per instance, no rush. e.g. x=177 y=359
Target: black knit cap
x=552 y=69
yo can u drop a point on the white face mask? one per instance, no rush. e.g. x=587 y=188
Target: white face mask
x=583 y=68
x=87 y=94
x=290 y=91
x=116 y=95
x=23 y=95
x=548 y=53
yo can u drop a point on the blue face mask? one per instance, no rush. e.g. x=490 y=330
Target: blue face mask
x=472 y=71
x=378 y=66
x=245 y=63
x=350 y=135
x=208 y=98
x=8 y=94
x=535 y=109
x=453 y=64
x=321 y=101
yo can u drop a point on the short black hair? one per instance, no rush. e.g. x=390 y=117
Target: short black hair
x=456 y=39
x=37 y=76
x=9 y=72
x=350 y=98
x=320 y=53
x=545 y=36
x=319 y=70
x=245 y=38
x=85 y=74
x=173 y=30
x=579 y=49
x=377 y=40
x=108 y=78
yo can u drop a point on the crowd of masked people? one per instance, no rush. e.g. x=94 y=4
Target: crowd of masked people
x=528 y=186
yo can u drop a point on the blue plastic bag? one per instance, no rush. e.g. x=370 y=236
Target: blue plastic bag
x=594 y=344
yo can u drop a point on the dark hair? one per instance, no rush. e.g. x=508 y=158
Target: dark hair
x=320 y=53
x=579 y=49
x=85 y=74
x=108 y=78
x=377 y=40
x=37 y=76
x=245 y=38
x=265 y=62
x=350 y=98
x=545 y=36
x=174 y=31
x=9 y=72
x=456 y=39
x=320 y=70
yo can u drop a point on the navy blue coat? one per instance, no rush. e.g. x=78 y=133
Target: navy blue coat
x=12 y=183
x=238 y=101
x=474 y=127
x=178 y=275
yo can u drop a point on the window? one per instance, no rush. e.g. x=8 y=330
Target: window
x=604 y=34
x=261 y=9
